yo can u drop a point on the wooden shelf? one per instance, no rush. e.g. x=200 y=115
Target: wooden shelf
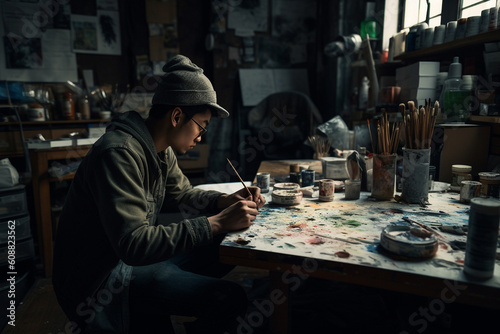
x=484 y=119
x=62 y=122
x=454 y=46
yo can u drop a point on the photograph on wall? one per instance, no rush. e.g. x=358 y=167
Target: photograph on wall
x=84 y=33
x=248 y=15
x=23 y=52
x=96 y=34
x=35 y=42
x=294 y=21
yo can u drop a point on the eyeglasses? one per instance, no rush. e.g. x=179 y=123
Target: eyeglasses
x=202 y=129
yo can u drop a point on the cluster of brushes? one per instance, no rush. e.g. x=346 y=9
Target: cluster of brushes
x=320 y=144
x=417 y=127
x=419 y=124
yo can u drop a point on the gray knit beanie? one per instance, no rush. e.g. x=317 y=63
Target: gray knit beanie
x=184 y=84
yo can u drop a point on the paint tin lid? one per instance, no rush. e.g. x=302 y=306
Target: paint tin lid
x=489 y=176
x=486 y=206
x=461 y=168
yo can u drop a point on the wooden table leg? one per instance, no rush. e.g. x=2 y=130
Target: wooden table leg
x=279 y=323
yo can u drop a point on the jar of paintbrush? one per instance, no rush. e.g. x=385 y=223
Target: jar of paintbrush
x=384 y=159
x=418 y=130
x=320 y=145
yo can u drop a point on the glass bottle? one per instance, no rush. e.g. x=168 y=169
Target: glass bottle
x=68 y=107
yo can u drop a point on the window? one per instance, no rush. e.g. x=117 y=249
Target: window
x=420 y=7
x=415 y=11
x=474 y=8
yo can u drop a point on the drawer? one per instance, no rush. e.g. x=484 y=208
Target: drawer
x=24 y=250
x=13 y=202
x=20 y=225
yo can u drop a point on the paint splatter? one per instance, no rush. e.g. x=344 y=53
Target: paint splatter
x=352 y=223
x=342 y=254
x=283 y=234
x=297 y=225
x=289 y=245
x=241 y=241
x=372 y=248
x=315 y=241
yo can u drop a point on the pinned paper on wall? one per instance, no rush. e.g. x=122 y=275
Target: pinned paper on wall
x=35 y=44
x=257 y=84
x=96 y=34
x=247 y=16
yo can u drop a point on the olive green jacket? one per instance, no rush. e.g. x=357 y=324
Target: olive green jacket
x=110 y=215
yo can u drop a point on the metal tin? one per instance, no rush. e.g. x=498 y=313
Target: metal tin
x=286 y=186
x=482 y=237
x=352 y=189
x=326 y=190
x=287 y=197
x=263 y=180
x=295 y=177
x=307 y=177
x=460 y=173
x=469 y=190
x=491 y=184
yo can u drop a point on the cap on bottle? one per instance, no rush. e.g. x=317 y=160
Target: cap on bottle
x=455 y=70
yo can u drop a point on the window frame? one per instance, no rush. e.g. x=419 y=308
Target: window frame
x=452 y=13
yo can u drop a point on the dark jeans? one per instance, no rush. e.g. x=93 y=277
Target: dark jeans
x=186 y=285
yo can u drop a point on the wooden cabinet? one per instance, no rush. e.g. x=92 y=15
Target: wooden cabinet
x=40 y=161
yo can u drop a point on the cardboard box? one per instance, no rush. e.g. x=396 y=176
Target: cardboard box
x=419 y=69
x=462 y=144
x=196 y=158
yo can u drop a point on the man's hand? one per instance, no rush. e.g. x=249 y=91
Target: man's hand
x=237 y=216
x=225 y=201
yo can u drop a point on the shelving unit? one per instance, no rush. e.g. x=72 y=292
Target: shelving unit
x=461 y=46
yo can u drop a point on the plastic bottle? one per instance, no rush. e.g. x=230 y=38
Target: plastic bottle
x=68 y=107
x=84 y=107
x=363 y=93
x=453 y=98
x=371 y=27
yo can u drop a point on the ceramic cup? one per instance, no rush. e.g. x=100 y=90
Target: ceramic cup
x=326 y=190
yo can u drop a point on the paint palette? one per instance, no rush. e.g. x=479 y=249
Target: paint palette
x=409 y=241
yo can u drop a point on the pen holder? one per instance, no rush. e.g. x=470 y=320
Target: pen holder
x=415 y=178
x=384 y=176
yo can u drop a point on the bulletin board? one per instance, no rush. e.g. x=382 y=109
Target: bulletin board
x=40 y=39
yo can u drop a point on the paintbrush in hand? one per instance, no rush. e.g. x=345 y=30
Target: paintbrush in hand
x=239 y=177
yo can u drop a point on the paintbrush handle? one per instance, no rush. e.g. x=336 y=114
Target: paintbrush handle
x=239 y=177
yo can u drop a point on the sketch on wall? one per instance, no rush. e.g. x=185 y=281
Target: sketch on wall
x=96 y=34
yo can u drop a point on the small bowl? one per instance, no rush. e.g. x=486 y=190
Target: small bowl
x=105 y=114
x=287 y=197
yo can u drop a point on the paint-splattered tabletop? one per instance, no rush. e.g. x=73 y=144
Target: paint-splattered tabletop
x=349 y=232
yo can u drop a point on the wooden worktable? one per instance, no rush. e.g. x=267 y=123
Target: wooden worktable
x=340 y=241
